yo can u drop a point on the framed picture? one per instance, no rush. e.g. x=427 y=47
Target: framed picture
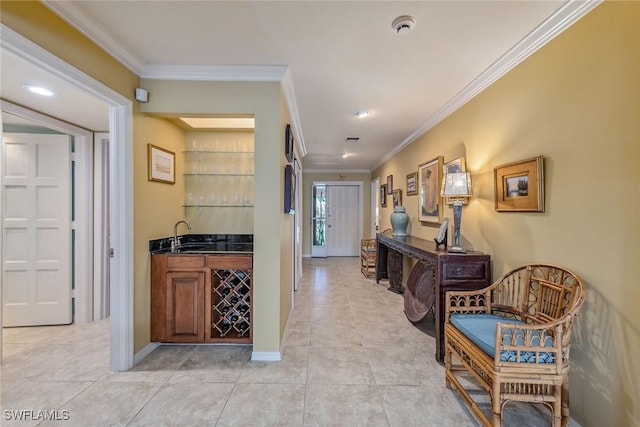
x=383 y=196
x=429 y=183
x=288 y=143
x=412 y=184
x=455 y=166
x=397 y=198
x=289 y=190
x=519 y=186
x=390 y=184
x=161 y=164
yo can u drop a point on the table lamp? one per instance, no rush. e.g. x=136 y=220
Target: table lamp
x=457 y=188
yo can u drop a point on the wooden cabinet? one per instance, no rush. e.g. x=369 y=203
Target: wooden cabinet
x=185 y=306
x=201 y=298
x=435 y=273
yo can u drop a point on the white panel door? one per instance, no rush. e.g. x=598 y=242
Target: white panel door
x=342 y=220
x=36 y=228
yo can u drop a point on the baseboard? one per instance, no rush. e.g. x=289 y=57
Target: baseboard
x=266 y=356
x=137 y=358
x=306 y=255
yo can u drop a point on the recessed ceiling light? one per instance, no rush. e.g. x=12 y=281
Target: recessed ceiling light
x=345 y=155
x=39 y=90
x=361 y=113
x=403 y=24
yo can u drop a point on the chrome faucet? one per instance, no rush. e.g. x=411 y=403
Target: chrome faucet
x=175 y=243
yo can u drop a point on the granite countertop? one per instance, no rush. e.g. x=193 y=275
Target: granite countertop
x=204 y=244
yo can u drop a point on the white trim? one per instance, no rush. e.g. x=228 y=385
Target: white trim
x=224 y=73
x=562 y=19
x=121 y=232
x=147 y=350
x=83 y=195
x=336 y=171
x=290 y=96
x=266 y=356
x=121 y=189
x=70 y=12
x=101 y=226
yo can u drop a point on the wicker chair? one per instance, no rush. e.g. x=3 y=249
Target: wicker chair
x=368 y=257
x=523 y=352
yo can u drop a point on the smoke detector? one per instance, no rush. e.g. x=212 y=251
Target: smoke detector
x=403 y=24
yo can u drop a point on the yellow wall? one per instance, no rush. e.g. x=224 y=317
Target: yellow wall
x=577 y=102
x=286 y=231
x=307 y=183
x=263 y=101
x=157 y=207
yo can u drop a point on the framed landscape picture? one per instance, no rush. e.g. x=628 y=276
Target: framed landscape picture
x=161 y=164
x=412 y=184
x=429 y=183
x=519 y=186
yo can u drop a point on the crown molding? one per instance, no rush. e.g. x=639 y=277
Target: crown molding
x=69 y=12
x=224 y=73
x=325 y=171
x=562 y=19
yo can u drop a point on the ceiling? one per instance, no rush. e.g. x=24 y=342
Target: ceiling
x=334 y=56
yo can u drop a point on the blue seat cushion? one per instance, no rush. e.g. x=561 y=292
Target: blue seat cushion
x=481 y=330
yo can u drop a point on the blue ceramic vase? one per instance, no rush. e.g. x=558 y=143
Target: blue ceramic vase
x=399 y=221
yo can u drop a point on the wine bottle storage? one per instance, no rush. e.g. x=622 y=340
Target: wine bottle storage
x=231 y=303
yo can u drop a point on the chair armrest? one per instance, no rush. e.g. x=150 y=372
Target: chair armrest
x=530 y=345
x=467 y=302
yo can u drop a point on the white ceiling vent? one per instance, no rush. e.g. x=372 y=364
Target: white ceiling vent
x=403 y=24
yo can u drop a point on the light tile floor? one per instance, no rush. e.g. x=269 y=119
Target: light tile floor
x=351 y=359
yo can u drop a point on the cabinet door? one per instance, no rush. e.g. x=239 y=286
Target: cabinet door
x=185 y=306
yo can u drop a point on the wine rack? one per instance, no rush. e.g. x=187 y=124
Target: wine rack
x=231 y=304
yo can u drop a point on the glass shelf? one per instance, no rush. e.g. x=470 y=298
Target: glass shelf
x=217 y=206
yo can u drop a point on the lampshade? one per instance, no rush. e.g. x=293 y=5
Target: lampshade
x=456 y=185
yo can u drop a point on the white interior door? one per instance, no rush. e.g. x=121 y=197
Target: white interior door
x=36 y=229
x=343 y=220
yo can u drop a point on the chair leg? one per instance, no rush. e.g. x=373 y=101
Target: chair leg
x=496 y=403
x=564 y=405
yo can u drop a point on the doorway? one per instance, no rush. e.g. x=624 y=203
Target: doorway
x=337 y=213
x=120 y=189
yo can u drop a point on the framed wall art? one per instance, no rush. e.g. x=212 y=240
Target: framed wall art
x=289 y=190
x=455 y=166
x=429 y=183
x=412 y=184
x=288 y=143
x=519 y=186
x=161 y=164
x=389 y=184
x=383 y=196
x=397 y=198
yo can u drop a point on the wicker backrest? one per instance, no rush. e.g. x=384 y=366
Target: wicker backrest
x=538 y=293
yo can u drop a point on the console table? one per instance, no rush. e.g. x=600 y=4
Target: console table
x=435 y=273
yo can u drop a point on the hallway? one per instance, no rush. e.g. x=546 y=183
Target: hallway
x=351 y=359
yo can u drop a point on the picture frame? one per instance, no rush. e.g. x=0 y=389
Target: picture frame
x=383 y=196
x=397 y=198
x=288 y=143
x=289 y=190
x=389 y=184
x=412 y=184
x=429 y=184
x=455 y=166
x=161 y=164
x=519 y=186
